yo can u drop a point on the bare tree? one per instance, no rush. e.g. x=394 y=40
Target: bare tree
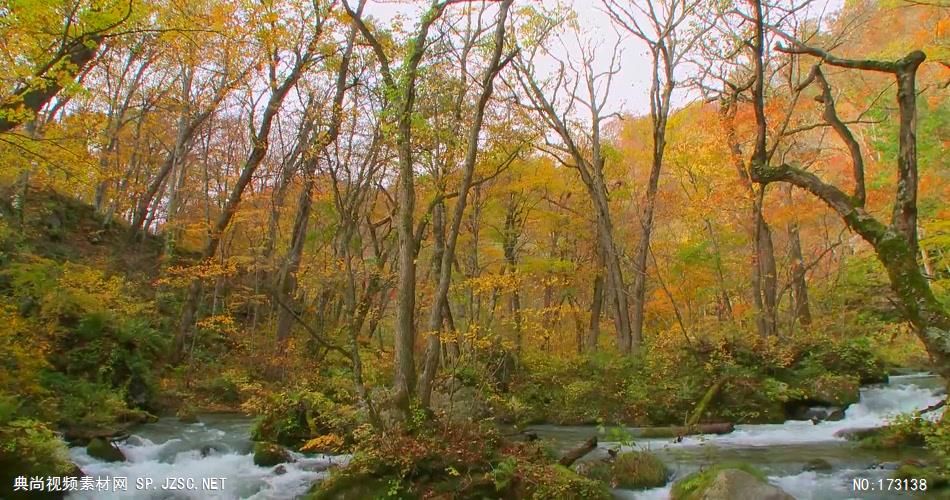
x=579 y=86
x=895 y=243
x=440 y=301
x=663 y=26
x=302 y=58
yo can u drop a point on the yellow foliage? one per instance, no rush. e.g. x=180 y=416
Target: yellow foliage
x=325 y=443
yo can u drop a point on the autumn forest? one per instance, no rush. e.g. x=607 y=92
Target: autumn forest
x=474 y=249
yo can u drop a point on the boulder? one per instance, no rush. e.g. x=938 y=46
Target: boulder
x=817 y=464
x=187 y=415
x=917 y=471
x=734 y=484
x=836 y=415
x=74 y=470
x=833 y=390
x=270 y=454
x=857 y=434
x=814 y=413
x=737 y=482
x=104 y=450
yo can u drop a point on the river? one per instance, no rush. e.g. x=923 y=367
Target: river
x=219 y=447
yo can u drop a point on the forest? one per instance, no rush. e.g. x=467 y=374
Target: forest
x=686 y=249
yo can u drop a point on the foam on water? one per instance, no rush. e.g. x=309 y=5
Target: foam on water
x=201 y=452
x=877 y=405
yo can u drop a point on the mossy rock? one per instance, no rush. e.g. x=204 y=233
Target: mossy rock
x=817 y=464
x=187 y=415
x=911 y=470
x=346 y=485
x=104 y=450
x=270 y=454
x=832 y=390
x=891 y=438
x=727 y=482
x=598 y=470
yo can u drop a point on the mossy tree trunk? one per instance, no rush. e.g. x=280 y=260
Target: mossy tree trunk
x=895 y=243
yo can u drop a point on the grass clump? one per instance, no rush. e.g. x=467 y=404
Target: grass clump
x=632 y=470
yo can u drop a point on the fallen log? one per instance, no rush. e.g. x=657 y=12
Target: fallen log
x=934 y=407
x=680 y=431
x=574 y=455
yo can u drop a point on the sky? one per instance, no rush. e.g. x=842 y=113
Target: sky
x=629 y=92
x=630 y=87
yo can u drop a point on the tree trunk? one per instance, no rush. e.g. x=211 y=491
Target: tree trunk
x=643 y=248
x=801 y=309
x=596 y=305
x=287 y=276
x=764 y=276
x=447 y=256
x=896 y=245
x=49 y=80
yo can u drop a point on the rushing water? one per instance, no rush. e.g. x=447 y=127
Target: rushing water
x=188 y=454
x=220 y=447
x=782 y=451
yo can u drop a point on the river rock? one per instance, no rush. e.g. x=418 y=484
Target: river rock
x=75 y=471
x=833 y=390
x=270 y=454
x=817 y=464
x=836 y=415
x=105 y=450
x=857 y=434
x=734 y=484
x=187 y=415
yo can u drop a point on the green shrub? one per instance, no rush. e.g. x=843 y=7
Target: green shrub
x=294 y=416
x=904 y=430
x=30 y=448
x=95 y=335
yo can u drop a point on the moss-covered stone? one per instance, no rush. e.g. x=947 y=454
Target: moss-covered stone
x=104 y=450
x=270 y=454
x=346 y=485
x=892 y=437
x=562 y=482
x=832 y=390
x=912 y=470
x=727 y=482
x=817 y=464
x=187 y=415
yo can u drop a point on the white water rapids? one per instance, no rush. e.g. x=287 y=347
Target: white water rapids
x=170 y=453
x=783 y=450
x=220 y=447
